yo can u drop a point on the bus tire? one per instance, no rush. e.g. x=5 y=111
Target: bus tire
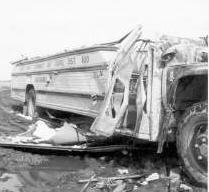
x=31 y=103
x=192 y=141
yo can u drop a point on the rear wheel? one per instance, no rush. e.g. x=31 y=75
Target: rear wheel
x=192 y=142
x=31 y=103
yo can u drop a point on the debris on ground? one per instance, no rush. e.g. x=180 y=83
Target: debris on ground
x=87 y=184
x=7 y=179
x=123 y=171
x=120 y=186
x=24 y=116
x=67 y=134
x=152 y=177
x=114 y=178
x=175 y=179
x=115 y=184
x=185 y=188
x=41 y=132
x=134 y=183
x=174 y=175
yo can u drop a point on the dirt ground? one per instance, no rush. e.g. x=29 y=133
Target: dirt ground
x=22 y=171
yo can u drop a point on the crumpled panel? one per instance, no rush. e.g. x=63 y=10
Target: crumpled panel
x=121 y=70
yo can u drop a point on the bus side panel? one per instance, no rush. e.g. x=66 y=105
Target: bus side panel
x=74 y=83
x=67 y=102
x=18 y=86
x=80 y=92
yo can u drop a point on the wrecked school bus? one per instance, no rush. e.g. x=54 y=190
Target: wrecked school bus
x=151 y=90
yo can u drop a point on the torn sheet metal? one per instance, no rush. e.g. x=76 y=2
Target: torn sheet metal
x=41 y=133
x=110 y=119
x=140 y=97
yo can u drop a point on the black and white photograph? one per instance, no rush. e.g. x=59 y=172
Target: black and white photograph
x=104 y=95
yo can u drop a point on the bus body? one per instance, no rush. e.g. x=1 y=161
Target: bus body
x=148 y=90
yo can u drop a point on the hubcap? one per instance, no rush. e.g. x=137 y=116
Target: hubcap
x=199 y=146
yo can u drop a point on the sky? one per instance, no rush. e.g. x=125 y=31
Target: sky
x=31 y=28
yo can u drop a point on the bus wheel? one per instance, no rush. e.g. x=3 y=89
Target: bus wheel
x=31 y=103
x=192 y=142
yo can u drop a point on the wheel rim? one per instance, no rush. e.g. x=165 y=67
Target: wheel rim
x=199 y=146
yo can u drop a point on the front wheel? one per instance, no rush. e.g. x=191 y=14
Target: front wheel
x=192 y=142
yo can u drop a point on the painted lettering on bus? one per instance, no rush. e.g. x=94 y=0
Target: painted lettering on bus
x=85 y=59
x=71 y=61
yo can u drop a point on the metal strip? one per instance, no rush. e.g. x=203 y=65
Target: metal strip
x=69 y=53
x=83 y=94
x=102 y=66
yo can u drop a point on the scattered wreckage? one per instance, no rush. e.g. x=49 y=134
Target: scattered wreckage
x=141 y=88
